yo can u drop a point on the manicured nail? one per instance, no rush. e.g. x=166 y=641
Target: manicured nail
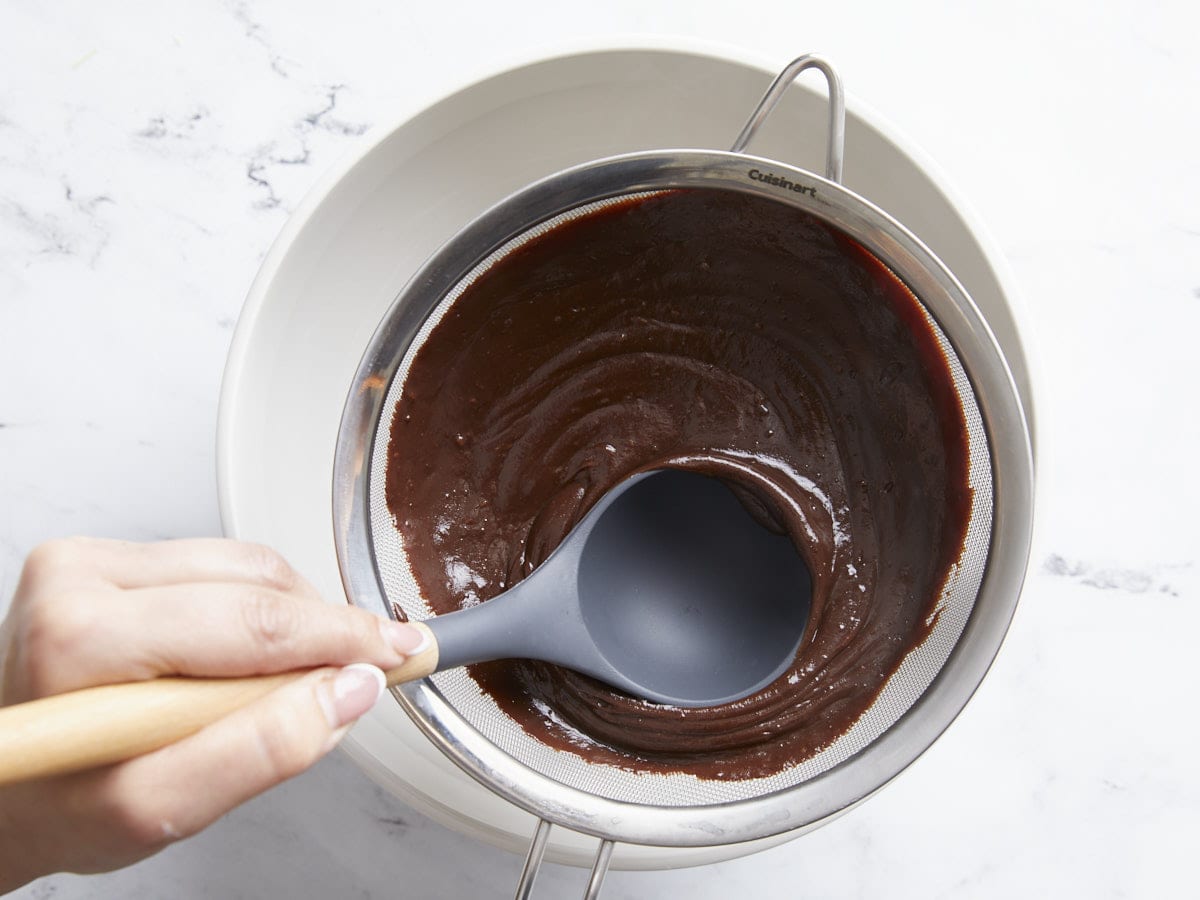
x=336 y=737
x=355 y=690
x=403 y=638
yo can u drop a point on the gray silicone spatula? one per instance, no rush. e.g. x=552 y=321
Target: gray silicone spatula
x=668 y=589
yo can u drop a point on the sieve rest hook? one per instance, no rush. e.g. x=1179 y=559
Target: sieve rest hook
x=837 y=110
x=533 y=863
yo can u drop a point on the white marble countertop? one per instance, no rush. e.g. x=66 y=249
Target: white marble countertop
x=150 y=152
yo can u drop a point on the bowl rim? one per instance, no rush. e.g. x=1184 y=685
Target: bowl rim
x=234 y=508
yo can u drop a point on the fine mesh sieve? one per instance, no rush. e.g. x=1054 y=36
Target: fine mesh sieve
x=920 y=698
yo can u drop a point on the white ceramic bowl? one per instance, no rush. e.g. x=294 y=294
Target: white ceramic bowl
x=369 y=224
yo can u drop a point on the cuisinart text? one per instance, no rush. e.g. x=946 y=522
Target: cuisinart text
x=756 y=175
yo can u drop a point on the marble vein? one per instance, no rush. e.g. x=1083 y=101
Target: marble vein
x=1107 y=578
x=176 y=127
x=324 y=119
x=302 y=135
x=254 y=30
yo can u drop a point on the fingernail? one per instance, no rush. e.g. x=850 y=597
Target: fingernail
x=354 y=690
x=336 y=737
x=403 y=637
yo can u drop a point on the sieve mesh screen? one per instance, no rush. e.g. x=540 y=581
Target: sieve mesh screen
x=901 y=691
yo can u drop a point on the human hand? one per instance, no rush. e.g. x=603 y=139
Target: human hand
x=88 y=612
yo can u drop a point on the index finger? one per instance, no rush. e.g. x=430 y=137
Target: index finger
x=132 y=564
x=203 y=629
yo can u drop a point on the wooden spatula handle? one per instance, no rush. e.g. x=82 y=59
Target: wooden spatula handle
x=102 y=725
x=96 y=726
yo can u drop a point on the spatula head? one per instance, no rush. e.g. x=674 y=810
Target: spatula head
x=687 y=596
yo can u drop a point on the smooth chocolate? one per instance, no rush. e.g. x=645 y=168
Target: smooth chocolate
x=707 y=330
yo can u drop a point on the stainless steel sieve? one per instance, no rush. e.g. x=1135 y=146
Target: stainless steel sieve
x=933 y=682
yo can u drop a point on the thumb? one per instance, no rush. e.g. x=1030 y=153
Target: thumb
x=351 y=693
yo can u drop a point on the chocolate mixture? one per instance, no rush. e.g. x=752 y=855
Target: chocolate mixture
x=707 y=330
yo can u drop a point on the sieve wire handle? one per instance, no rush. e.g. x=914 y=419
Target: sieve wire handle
x=537 y=850
x=837 y=110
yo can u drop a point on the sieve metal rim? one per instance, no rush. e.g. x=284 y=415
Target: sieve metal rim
x=999 y=404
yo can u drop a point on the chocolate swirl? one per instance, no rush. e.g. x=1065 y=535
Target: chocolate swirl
x=706 y=330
